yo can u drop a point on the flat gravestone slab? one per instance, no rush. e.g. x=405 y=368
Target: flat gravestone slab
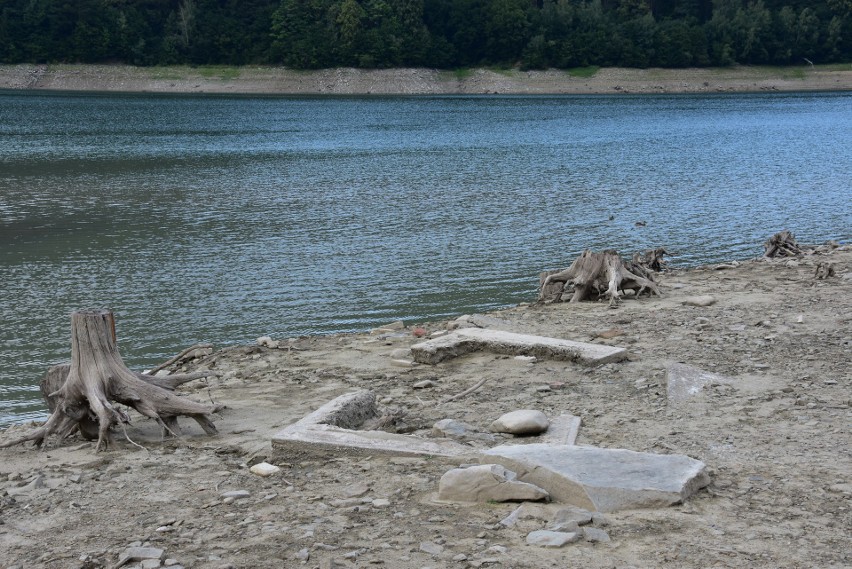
x=603 y=480
x=468 y=340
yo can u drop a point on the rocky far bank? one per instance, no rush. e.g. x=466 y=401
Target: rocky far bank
x=768 y=341
x=281 y=81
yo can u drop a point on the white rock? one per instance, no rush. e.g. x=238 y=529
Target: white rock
x=526 y=359
x=521 y=422
x=264 y=469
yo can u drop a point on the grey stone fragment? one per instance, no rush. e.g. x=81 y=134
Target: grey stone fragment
x=565 y=517
x=139 y=554
x=563 y=430
x=468 y=340
x=151 y=564
x=521 y=422
x=595 y=535
x=486 y=482
x=605 y=480
x=431 y=548
x=547 y=538
x=684 y=382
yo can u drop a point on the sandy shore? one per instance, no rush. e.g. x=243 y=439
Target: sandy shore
x=772 y=428
x=276 y=80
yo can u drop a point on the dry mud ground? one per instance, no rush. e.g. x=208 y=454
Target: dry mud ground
x=777 y=442
x=344 y=81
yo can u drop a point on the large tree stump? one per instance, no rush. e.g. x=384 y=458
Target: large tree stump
x=604 y=274
x=97 y=378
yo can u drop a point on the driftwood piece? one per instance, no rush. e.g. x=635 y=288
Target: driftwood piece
x=602 y=274
x=782 y=244
x=97 y=378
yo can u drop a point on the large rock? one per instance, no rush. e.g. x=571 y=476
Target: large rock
x=484 y=483
x=604 y=480
x=521 y=422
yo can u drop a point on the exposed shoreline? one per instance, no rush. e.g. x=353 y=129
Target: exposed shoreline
x=346 y=81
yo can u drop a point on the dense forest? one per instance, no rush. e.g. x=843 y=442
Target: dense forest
x=427 y=33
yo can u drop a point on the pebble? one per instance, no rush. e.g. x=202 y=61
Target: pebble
x=381 y=503
x=424 y=384
x=595 y=535
x=702 y=300
x=264 y=469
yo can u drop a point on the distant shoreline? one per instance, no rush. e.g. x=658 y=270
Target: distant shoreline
x=347 y=81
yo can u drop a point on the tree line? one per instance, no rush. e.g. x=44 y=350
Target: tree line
x=532 y=34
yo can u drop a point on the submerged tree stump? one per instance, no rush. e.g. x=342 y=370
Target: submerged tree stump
x=97 y=378
x=603 y=274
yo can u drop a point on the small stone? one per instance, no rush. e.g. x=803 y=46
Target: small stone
x=402 y=363
x=526 y=359
x=431 y=548
x=138 y=553
x=702 y=300
x=460 y=557
x=381 y=503
x=547 y=538
x=521 y=422
x=401 y=354
x=303 y=554
x=426 y=383
x=355 y=490
x=264 y=469
x=235 y=494
x=151 y=564
x=570 y=515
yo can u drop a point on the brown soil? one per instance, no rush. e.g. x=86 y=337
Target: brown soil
x=277 y=80
x=777 y=442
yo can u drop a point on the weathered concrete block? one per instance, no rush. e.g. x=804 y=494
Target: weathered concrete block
x=334 y=427
x=604 y=480
x=468 y=340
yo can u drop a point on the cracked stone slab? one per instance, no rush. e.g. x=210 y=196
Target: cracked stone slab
x=684 y=382
x=603 y=480
x=467 y=340
x=334 y=426
x=563 y=430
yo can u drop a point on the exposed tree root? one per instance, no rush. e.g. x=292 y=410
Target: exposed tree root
x=602 y=274
x=782 y=244
x=97 y=378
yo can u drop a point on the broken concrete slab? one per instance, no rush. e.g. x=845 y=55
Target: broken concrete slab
x=468 y=340
x=604 y=480
x=334 y=426
x=684 y=382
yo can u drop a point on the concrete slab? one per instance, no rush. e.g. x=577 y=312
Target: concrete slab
x=684 y=382
x=468 y=340
x=334 y=426
x=604 y=480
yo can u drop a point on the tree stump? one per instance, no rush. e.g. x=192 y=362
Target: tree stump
x=604 y=274
x=97 y=378
x=782 y=244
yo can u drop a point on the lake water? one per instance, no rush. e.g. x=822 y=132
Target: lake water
x=221 y=219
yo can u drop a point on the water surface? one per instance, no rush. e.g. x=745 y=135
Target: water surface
x=221 y=219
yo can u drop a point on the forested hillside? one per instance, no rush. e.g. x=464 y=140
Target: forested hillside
x=430 y=33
